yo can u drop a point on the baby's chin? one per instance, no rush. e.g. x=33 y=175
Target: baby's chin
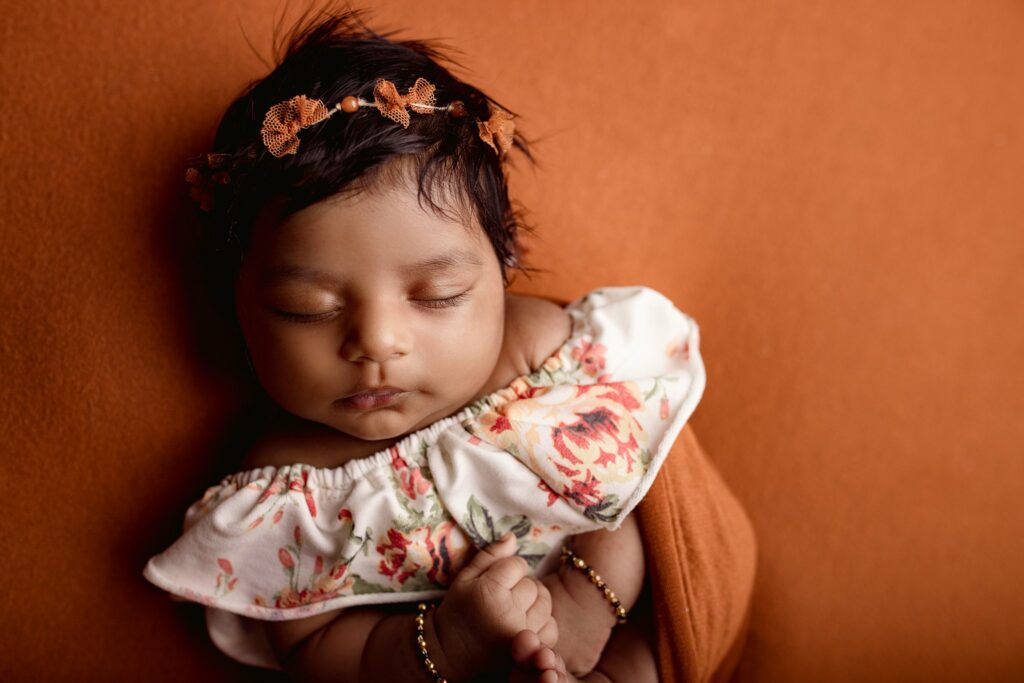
x=381 y=425
x=391 y=423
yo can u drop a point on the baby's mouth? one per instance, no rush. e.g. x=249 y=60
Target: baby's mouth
x=372 y=398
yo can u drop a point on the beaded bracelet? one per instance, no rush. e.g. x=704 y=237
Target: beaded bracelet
x=421 y=643
x=576 y=561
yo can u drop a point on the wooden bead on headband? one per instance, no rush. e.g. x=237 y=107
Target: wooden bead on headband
x=284 y=120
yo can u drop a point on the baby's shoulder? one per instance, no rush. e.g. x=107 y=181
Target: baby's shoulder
x=534 y=329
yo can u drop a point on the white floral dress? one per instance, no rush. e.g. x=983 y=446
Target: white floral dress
x=570 y=448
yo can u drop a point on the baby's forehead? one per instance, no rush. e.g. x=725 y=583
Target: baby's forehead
x=393 y=229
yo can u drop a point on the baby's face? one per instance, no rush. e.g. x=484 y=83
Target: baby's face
x=370 y=314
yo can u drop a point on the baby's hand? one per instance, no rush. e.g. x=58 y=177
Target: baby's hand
x=490 y=601
x=535 y=662
x=586 y=619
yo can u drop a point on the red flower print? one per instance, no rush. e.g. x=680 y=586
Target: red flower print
x=677 y=348
x=587 y=428
x=277 y=516
x=298 y=483
x=225 y=565
x=285 y=558
x=395 y=563
x=414 y=483
x=345 y=513
x=618 y=392
x=605 y=436
x=298 y=536
x=274 y=487
x=397 y=462
x=310 y=503
x=256 y=522
x=625 y=449
x=590 y=356
x=339 y=570
x=410 y=480
x=552 y=496
x=290 y=598
x=663 y=411
x=501 y=424
x=441 y=551
x=318 y=566
x=585 y=493
x=475 y=440
x=231 y=583
x=523 y=389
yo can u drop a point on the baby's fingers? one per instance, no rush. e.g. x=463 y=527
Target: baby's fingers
x=526 y=592
x=487 y=557
x=548 y=633
x=538 y=612
x=507 y=572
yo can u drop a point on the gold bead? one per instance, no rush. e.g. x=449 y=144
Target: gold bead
x=350 y=104
x=579 y=562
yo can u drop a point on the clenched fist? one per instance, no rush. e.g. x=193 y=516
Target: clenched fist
x=491 y=600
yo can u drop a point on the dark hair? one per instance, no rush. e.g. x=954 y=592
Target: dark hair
x=327 y=57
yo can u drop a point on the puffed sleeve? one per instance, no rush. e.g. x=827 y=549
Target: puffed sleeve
x=576 y=445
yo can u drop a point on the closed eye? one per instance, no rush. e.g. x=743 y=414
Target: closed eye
x=446 y=302
x=304 y=317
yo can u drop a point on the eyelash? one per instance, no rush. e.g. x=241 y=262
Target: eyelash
x=446 y=302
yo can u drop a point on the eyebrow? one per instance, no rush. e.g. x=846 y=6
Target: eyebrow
x=442 y=262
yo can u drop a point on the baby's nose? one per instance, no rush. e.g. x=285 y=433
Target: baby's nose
x=378 y=332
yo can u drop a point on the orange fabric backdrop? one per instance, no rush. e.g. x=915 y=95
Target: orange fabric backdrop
x=833 y=190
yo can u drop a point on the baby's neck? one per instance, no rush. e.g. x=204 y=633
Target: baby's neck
x=299 y=440
x=312 y=443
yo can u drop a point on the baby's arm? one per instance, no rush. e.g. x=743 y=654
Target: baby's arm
x=470 y=632
x=535 y=329
x=585 y=617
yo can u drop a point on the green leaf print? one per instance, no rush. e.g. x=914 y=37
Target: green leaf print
x=533 y=552
x=605 y=511
x=361 y=586
x=520 y=525
x=418 y=582
x=478 y=523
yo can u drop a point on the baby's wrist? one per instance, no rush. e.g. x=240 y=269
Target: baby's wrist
x=447 y=647
x=586 y=596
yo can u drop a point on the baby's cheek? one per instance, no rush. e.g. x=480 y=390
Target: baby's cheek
x=468 y=355
x=294 y=371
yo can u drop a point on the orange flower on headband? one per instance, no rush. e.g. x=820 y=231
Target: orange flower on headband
x=499 y=128
x=392 y=105
x=283 y=122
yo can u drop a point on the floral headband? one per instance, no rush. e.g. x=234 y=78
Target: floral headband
x=284 y=120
